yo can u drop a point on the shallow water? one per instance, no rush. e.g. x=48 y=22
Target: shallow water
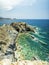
x=32 y=48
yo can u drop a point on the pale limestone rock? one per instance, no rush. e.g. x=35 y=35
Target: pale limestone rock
x=7 y=40
x=23 y=62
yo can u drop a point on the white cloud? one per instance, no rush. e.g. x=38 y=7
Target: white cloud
x=9 y=4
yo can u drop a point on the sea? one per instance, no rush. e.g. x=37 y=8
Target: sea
x=41 y=24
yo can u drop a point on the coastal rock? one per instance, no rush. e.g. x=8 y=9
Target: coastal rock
x=8 y=37
x=19 y=26
x=7 y=40
x=22 y=27
x=23 y=62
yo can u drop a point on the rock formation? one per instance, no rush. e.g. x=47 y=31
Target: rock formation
x=7 y=40
x=22 y=27
x=23 y=62
x=8 y=35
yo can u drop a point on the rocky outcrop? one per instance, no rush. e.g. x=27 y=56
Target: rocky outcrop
x=8 y=35
x=22 y=27
x=7 y=41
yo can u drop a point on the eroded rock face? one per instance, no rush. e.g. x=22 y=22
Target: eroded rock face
x=19 y=26
x=8 y=35
x=22 y=27
x=7 y=41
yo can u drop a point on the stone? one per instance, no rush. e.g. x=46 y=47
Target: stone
x=23 y=62
x=22 y=27
x=7 y=40
x=8 y=45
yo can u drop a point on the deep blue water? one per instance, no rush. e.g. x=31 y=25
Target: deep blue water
x=42 y=23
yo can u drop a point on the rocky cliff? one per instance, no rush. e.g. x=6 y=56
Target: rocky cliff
x=9 y=45
x=8 y=34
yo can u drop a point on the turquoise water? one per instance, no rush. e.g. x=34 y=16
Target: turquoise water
x=32 y=48
x=42 y=45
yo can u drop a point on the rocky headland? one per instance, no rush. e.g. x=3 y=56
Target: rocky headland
x=8 y=35
x=9 y=47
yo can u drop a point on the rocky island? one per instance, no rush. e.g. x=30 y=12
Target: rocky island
x=15 y=49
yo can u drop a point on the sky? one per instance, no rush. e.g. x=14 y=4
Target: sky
x=24 y=9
